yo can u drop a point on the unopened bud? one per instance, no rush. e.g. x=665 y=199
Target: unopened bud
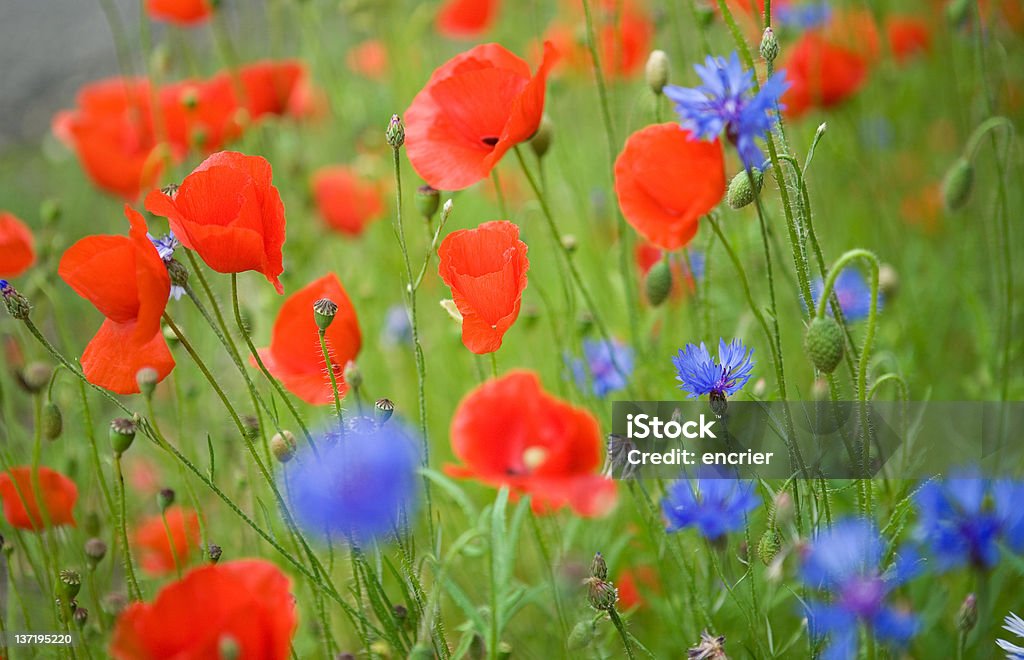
x=541 y=141
x=769 y=45
x=50 y=211
x=601 y=594
x=395 y=133
x=383 y=408
x=146 y=378
x=957 y=184
x=80 y=617
x=165 y=498
x=53 y=421
x=282 y=446
x=657 y=70
x=824 y=343
x=740 y=192
x=18 y=306
x=769 y=545
x=177 y=272
x=228 y=647
x=324 y=311
x=569 y=243
x=353 y=375
x=888 y=281
x=251 y=426
x=95 y=551
x=598 y=567
x=35 y=377
x=122 y=433
x=428 y=200
x=658 y=282
x=967 y=616
x=213 y=553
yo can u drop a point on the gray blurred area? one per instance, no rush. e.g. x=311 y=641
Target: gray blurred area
x=48 y=49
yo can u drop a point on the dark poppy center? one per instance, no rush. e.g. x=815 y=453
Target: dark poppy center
x=490 y=141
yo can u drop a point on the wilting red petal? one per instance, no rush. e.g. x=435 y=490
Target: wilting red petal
x=183 y=12
x=473 y=109
x=247 y=600
x=486 y=269
x=345 y=202
x=820 y=74
x=509 y=432
x=58 y=494
x=156 y=553
x=295 y=356
x=17 y=247
x=666 y=180
x=229 y=212
x=466 y=18
x=908 y=35
x=370 y=59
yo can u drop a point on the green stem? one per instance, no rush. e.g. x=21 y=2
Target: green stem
x=621 y=627
x=122 y=525
x=334 y=380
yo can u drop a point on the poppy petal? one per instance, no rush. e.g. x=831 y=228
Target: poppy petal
x=17 y=247
x=114 y=356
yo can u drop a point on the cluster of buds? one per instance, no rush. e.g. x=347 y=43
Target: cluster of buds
x=601 y=594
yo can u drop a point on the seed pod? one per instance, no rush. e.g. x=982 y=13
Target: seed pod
x=283 y=446
x=824 y=343
x=740 y=193
x=122 y=433
x=70 y=584
x=657 y=71
x=324 y=311
x=35 y=377
x=53 y=421
x=383 y=408
x=428 y=200
x=658 y=282
x=957 y=184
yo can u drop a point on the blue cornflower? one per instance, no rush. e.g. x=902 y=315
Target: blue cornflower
x=804 y=16
x=5 y=286
x=607 y=365
x=700 y=374
x=726 y=102
x=846 y=561
x=715 y=506
x=397 y=329
x=362 y=485
x=165 y=247
x=853 y=292
x=962 y=520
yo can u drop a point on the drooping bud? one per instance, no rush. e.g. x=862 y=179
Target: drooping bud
x=383 y=408
x=95 y=551
x=35 y=377
x=967 y=616
x=428 y=200
x=395 y=133
x=53 y=421
x=824 y=343
x=324 y=311
x=283 y=446
x=657 y=70
x=769 y=545
x=541 y=141
x=165 y=498
x=957 y=184
x=146 y=378
x=178 y=272
x=581 y=636
x=740 y=192
x=122 y=433
x=70 y=584
x=769 y=45
x=213 y=553
x=888 y=281
x=50 y=211
x=658 y=282
x=598 y=567
x=18 y=306
x=353 y=375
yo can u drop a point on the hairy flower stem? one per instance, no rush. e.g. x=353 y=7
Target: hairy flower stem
x=122 y=527
x=334 y=379
x=621 y=627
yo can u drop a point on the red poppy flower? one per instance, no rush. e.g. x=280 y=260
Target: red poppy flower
x=228 y=211
x=295 y=357
x=462 y=19
x=509 y=432
x=855 y=30
x=820 y=74
x=634 y=584
x=111 y=132
x=248 y=601
x=275 y=88
x=486 y=271
x=346 y=202
x=199 y=113
x=474 y=108
x=125 y=279
x=17 y=491
x=17 y=247
x=623 y=36
x=666 y=180
x=908 y=35
x=182 y=12
x=156 y=554
x=369 y=59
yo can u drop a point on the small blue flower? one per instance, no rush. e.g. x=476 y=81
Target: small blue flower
x=165 y=247
x=5 y=287
x=715 y=506
x=853 y=292
x=804 y=16
x=363 y=484
x=846 y=561
x=607 y=365
x=726 y=102
x=964 y=519
x=700 y=374
x=397 y=330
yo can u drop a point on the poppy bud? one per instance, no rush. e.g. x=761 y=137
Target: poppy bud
x=769 y=45
x=967 y=617
x=251 y=426
x=70 y=584
x=165 y=498
x=34 y=377
x=428 y=200
x=888 y=281
x=782 y=508
x=569 y=243
x=228 y=647
x=601 y=594
x=81 y=616
x=177 y=272
x=598 y=567
x=824 y=343
x=819 y=389
x=53 y=421
x=657 y=70
x=541 y=140
x=213 y=552
x=383 y=408
x=50 y=211
x=582 y=635
x=395 y=133
x=324 y=310
x=95 y=551
x=352 y=375
x=147 y=378
x=18 y=306
x=769 y=545
x=658 y=282
x=122 y=433
x=113 y=604
x=740 y=193
x=282 y=445
x=957 y=184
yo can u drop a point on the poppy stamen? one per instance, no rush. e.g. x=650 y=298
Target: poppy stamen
x=489 y=141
